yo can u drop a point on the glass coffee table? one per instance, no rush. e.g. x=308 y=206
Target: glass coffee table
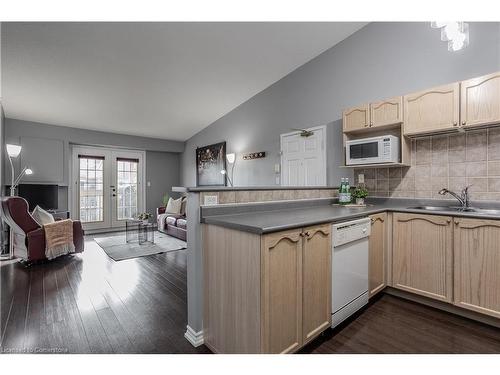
x=139 y=231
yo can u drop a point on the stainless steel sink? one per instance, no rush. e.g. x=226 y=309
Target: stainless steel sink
x=487 y=211
x=434 y=208
x=483 y=211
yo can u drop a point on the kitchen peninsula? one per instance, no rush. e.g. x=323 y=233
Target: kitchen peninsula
x=265 y=266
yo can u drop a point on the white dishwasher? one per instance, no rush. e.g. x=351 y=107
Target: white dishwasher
x=349 y=268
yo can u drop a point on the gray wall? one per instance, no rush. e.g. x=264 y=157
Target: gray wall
x=162 y=158
x=379 y=61
x=162 y=171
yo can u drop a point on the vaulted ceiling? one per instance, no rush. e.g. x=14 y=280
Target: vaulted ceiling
x=164 y=80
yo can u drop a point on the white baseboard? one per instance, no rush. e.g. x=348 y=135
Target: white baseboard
x=195 y=338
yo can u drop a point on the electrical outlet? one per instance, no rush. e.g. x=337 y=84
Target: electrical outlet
x=210 y=200
x=361 y=178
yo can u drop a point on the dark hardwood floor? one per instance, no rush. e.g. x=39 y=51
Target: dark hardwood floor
x=88 y=303
x=393 y=325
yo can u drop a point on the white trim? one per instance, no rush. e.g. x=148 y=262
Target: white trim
x=323 y=147
x=195 y=338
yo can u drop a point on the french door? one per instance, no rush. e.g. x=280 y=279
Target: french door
x=108 y=186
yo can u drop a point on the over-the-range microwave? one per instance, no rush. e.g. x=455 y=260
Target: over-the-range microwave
x=375 y=150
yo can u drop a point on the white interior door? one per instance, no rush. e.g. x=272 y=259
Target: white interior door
x=303 y=159
x=108 y=186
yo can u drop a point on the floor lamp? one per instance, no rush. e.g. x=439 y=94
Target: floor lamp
x=13 y=151
x=231 y=158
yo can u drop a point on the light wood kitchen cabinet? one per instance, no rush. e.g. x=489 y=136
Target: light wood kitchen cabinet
x=377 y=253
x=480 y=101
x=356 y=118
x=317 y=271
x=422 y=255
x=477 y=265
x=386 y=112
x=282 y=292
x=432 y=111
x=266 y=293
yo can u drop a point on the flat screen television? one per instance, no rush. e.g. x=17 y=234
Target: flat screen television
x=45 y=196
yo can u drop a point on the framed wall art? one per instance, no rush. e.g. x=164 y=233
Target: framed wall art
x=210 y=161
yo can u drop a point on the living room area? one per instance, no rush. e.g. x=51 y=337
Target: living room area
x=90 y=223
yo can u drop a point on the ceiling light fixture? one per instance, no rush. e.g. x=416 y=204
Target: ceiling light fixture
x=455 y=33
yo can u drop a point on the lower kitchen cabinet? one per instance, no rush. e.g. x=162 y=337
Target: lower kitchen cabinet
x=275 y=305
x=477 y=265
x=317 y=281
x=377 y=253
x=282 y=292
x=422 y=255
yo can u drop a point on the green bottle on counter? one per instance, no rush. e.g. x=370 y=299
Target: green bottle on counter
x=342 y=191
x=347 y=191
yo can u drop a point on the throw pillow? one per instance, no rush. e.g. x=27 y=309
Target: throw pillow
x=183 y=205
x=41 y=216
x=174 y=206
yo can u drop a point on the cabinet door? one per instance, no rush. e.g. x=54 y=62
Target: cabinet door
x=386 y=112
x=477 y=265
x=377 y=253
x=480 y=100
x=422 y=255
x=281 y=291
x=433 y=110
x=317 y=285
x=356 y=118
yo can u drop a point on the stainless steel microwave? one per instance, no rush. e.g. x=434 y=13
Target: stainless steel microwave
x=375 y=150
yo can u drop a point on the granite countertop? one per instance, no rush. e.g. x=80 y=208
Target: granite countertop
x=276 y=220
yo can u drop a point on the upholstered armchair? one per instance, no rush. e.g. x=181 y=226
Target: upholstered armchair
x=28 y=235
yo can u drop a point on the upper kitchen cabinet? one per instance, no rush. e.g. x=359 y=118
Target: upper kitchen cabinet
x=480 y=101
x=433 y=110
x=386 y=112
x=377 y=114
x=356 y=118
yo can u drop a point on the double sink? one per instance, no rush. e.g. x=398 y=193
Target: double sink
x=481 y=211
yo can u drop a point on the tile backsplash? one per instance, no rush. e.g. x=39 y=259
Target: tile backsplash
x=251 y=196
x=442 y=161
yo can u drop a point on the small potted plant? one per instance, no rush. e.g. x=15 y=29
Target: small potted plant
x=360 y=193
x=144 y=217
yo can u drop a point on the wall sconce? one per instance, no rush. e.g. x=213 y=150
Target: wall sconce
x=455 y=33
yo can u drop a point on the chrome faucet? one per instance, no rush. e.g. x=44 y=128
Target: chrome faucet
x=463 y=198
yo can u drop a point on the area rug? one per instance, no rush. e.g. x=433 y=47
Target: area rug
x=118 y=249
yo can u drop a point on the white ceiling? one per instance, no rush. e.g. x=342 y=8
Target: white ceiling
x=164 y=80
